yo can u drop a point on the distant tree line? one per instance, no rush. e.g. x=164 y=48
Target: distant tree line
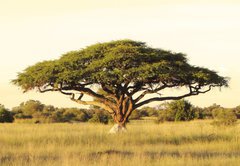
x=35 y=112
x=181 y=110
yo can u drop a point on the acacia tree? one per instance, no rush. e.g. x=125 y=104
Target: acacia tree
x=118 y=75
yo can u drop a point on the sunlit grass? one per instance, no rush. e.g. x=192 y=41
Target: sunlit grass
x=145 y=143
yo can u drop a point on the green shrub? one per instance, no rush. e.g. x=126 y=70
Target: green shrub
x=135 y=115
x=5 y=115
x=69 y=115
x=184 y=111
x=99 y=117
x=22 y=116
x=81 y=117
x=180 y=110
x=148 y=112
x=165 y=115
x=207 y=111
x=143 y=112
x=57 y=116
x=224 y=117
x=237 y=111
x=198 y=113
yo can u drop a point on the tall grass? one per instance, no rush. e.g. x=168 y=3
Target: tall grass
x=145 y=143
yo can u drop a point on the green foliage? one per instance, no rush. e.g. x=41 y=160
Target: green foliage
x=166 y=115
x=148 y=111
x=180 y=110
x=41 y=113
x=116 y=62
x=35 y=112
x=143 y=112
x=183 y=110
x=135 y=115
x=198 y=113
x=5 y=115
x=99 y=116
x=237 y=111
x=224 y=117
x=207 y=112
x=28 y=109
x=74 y=114
x=57 y=115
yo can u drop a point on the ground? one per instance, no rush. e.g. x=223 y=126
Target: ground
x=145 y=143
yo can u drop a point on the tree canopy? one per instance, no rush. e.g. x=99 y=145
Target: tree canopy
x=118 y=75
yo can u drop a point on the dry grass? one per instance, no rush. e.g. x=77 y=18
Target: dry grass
x=145 y=143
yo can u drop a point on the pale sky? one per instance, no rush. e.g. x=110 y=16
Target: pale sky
x=35 y=30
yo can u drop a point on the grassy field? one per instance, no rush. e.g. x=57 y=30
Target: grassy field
x=145 y=143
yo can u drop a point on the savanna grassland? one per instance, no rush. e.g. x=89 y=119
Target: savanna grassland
x=145 y=143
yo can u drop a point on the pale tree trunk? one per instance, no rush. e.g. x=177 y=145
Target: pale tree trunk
x=117 y=128
x=120 y=126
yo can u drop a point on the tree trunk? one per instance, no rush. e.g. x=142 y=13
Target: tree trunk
x=121 y=117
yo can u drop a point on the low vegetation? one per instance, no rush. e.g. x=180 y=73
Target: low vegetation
x=224 y=117
x=5 y=115
x=194 y=142
x=181 y=110
x=36 y=112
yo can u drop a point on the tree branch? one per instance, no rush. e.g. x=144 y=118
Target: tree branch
x=109 y=91
x=191 y=93
x=151 y=91
x=104 y=101
x=94 y=103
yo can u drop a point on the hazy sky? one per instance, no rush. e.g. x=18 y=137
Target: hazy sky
x=35 y=30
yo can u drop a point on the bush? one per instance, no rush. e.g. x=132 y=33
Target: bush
x=207 y=111
x=69 y=114
x=81 y=117
x=237 y=111
x=165 y=115
x=180 y=110
x=135 y=115
x=99 y=117
x=184 y=111
x=57 y=116
x=143 y=112
x=22 y=116
x=148 y=112
x=198 y=113
x=224 y=117
x=5 y=115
